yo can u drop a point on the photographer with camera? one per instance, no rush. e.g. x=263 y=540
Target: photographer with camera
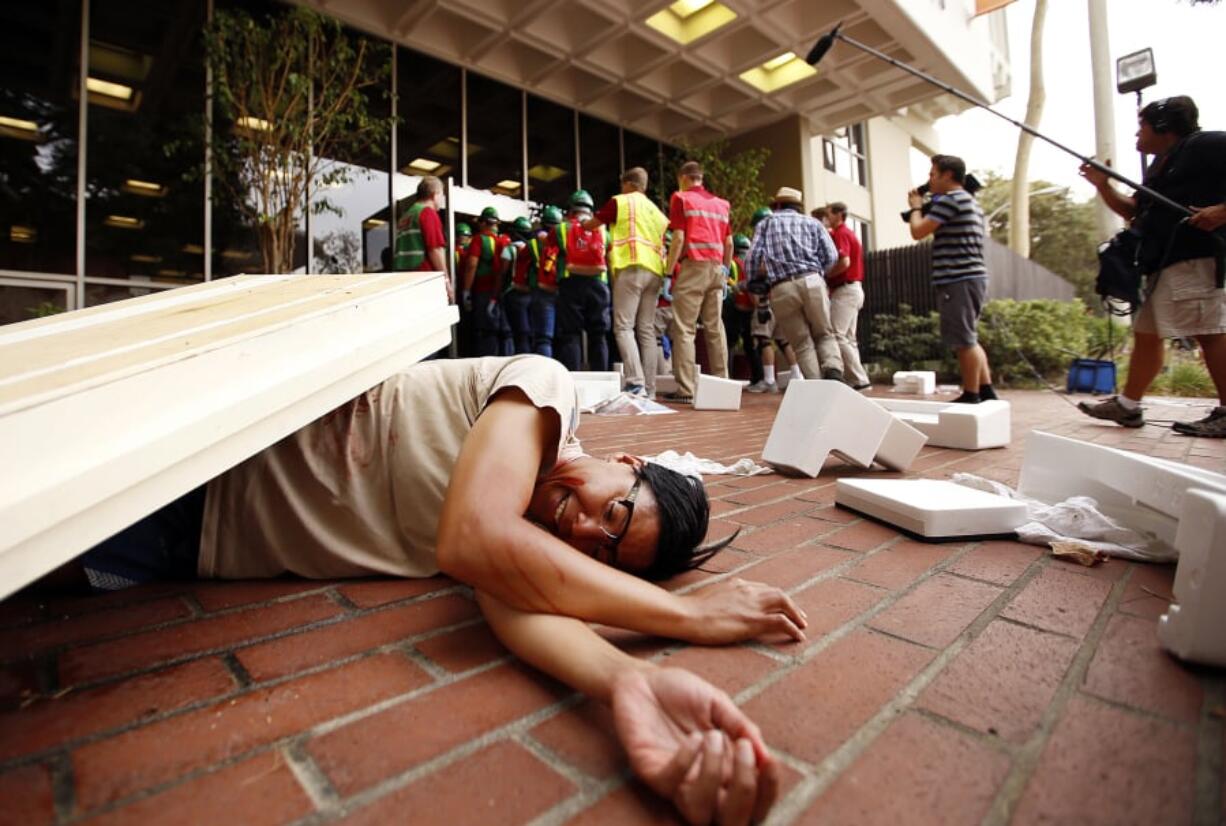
x=955 y=221
x=794 y=251
x=1183 y=259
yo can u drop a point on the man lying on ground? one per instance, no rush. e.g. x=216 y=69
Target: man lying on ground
x=471 y=468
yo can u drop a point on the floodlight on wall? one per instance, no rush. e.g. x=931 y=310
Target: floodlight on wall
x=1136 y=71
x=20 y=128
x=687 y=20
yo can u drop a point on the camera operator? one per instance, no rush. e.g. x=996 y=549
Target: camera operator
x=956 y=223
x=1183 y=260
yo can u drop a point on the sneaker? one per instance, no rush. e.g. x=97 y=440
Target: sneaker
x=967 y=397
x=763 y=386
x=832 y=374
x=677 y=398
x=1113 y=411
x=1212 y=426
x=864 y=386
x=636 y=390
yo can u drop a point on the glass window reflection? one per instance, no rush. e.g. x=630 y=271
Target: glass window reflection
x=495 y=136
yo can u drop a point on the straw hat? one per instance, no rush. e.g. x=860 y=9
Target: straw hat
x=787 y=195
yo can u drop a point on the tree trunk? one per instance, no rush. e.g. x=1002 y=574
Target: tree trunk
x=1019 y=203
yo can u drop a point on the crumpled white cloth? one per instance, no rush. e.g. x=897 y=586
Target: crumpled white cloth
x=691 y=465
x=627 y=404
x=1076 y=519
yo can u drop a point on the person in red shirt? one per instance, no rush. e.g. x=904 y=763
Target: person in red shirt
x=702 y=243
x=420 y=243
x=483 y=269
x=845 y=280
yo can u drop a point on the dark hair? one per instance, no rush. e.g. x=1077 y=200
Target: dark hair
x=691 y=169
x=838 y=208
x=950 y=163
x=684 y=512
x=779 y=206
x=1178 y=114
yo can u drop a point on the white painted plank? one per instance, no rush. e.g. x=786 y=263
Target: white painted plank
x=142 y=400
x=932 y=508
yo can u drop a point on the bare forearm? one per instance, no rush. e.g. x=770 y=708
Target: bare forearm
x=1121 y=205
x=562 y=647
x=674 y=250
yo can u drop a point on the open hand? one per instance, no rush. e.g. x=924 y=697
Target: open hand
x=736 y=610
x=687 y=740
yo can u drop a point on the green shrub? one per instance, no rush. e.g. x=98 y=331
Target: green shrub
x=1045 y=334
x=905 y=338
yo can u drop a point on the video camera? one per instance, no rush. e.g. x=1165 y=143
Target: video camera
x=970 y=183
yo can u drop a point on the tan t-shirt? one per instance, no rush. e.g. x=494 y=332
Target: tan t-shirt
x=359 y=491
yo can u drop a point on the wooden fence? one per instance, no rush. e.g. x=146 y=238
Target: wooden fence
x=903 y=275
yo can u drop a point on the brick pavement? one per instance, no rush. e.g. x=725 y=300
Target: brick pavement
x=956 y=683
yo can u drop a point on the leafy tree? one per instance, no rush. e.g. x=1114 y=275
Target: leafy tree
x=1062 y=231
x=735 y=177
x=338 y=252
x=292 y=91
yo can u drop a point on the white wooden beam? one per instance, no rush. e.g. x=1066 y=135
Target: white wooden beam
x=108 y=413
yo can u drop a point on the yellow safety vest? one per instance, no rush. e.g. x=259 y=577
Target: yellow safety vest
x=638 y=235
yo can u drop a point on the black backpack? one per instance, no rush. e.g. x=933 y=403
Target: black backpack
x=1119 y=271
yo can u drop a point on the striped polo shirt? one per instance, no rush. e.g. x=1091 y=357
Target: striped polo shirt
x=957 y=244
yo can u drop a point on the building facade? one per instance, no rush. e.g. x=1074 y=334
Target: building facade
x=106 y=195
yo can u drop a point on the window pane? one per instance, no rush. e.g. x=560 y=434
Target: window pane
x=495 y=146
x=428 y=135
x=600 y=158
x=23 y=299
x=39 y=43
x=551 y=151
x=828 y=154
x=352 y=233
x=144 y=214
x=235 y=235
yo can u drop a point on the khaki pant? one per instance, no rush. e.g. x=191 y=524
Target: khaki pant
x=802 y=314
x=635 y=292
x=845 y=304
x=698 y=294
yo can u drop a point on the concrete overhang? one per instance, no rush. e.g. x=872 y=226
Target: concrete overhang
x=641 y=78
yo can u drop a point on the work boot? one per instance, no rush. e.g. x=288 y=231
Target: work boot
x=763 y=386
x=832 y=374
x=1212 y=426
x=677 y=398
x=1113 y=411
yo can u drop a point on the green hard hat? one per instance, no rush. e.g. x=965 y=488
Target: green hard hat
x=489 y=214
x=551 y=216
x=463 y=229
x=581 y=197
x=740 y=242
x=759 y=214
x=523 y=225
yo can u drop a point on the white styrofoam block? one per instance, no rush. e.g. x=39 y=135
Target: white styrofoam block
x=923 y=382
x=932 y=508
x=666 y=383
x=962 y=426
x=900 y=446
x=593 y=387
x=1194 y=626
x=782 y=380
x=1056 y=467
x=818 y=418
x=714 y=393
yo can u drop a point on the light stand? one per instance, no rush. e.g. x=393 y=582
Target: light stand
x=1134 y=72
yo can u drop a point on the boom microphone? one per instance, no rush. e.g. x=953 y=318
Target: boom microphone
x=826 y=41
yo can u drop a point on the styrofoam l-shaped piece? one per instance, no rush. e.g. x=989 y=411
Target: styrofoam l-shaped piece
x=932 y=508
x=1194 y=626
x=962 y=426
x=818 y=418
x=109 y=413
x=902 y=443
x=923 y=382
x=714 y=393
x=1056 y=467
x=593 y=387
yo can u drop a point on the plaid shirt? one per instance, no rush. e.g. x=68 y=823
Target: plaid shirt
x=786 y=244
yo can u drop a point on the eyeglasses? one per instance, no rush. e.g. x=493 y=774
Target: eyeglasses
x=616 y=522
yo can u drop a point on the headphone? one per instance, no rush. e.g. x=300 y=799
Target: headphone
x=1159 y=116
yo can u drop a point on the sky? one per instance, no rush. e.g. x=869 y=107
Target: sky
x=1188 y=43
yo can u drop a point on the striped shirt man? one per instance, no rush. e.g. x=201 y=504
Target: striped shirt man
x=957 y=244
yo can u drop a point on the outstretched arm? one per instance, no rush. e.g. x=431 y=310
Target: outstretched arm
x=485 y=540
x=684 y=737
x=1121 y=205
